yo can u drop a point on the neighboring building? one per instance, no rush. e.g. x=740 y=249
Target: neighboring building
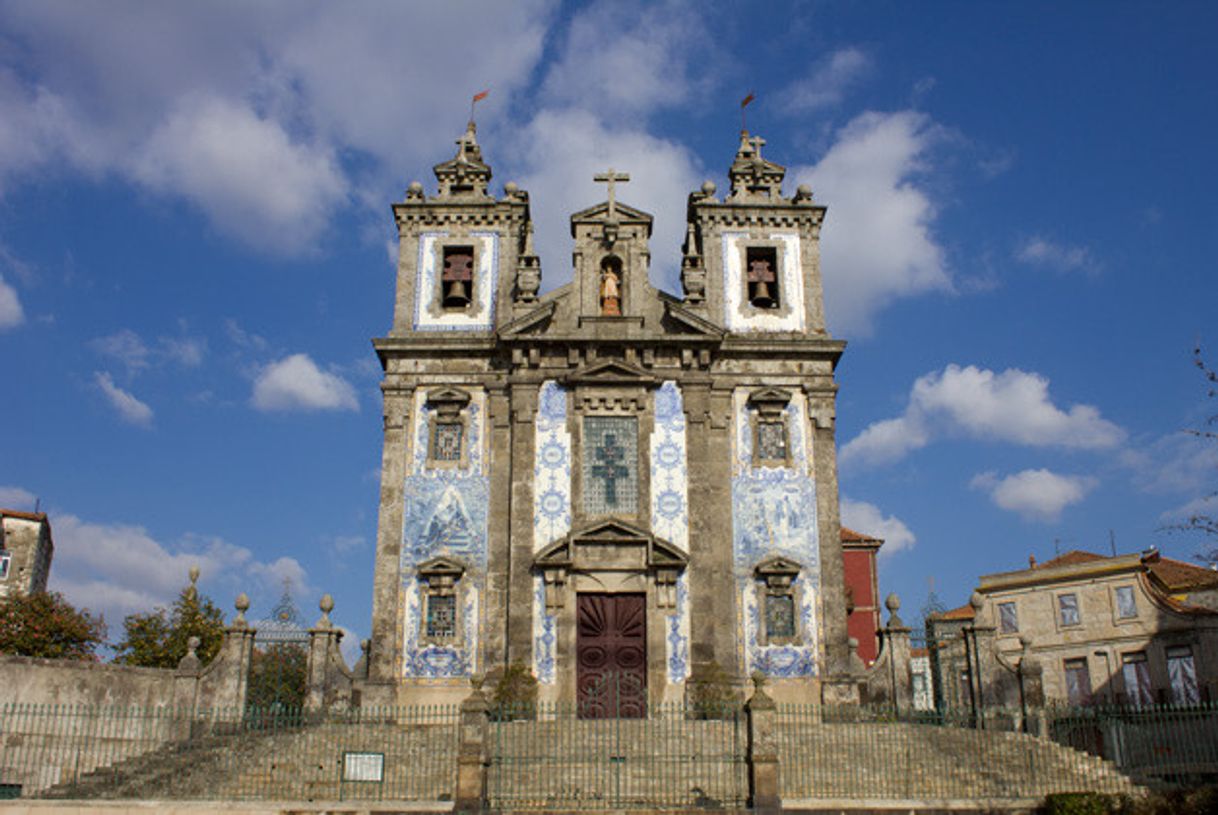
x=859 y=553
x=921 y=679
x=948 y=659
x=607 y=478
x=1131 y=629
x=26 y=550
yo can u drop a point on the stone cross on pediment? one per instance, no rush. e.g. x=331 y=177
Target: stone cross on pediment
x=611 y=178
x=757 y=141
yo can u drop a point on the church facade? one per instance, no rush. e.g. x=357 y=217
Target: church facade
x=607 y=482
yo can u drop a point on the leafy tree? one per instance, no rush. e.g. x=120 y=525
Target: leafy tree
x=158 y=639
x=1205 y=523
x=47 y=625
x=278 y=677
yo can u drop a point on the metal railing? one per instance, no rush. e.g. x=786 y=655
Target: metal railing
x=854 y=752
x=552 y=756
x=62 y=751
x=1153 y=743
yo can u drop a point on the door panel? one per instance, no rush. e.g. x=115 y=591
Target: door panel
x=611 y=656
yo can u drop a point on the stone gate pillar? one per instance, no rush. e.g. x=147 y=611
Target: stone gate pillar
x=764 y=789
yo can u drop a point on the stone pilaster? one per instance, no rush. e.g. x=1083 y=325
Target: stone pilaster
x=499 y=532
x=519 y=510
x=764 y=781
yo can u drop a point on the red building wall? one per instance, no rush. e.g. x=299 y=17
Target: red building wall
x=862 y=581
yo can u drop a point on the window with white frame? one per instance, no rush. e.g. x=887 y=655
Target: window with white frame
x=1135 y=671
x=1008 y=618
x=1182 y=673
x=1126 y=605
x=1067 y=609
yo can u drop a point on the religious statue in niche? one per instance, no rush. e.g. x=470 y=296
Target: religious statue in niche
x=611 y=287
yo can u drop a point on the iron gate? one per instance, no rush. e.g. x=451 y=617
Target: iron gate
x=553 y=756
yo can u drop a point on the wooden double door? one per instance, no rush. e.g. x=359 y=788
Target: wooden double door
x=611 y=656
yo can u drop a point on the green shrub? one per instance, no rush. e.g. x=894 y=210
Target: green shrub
x=514 y=692
x=1081 y=803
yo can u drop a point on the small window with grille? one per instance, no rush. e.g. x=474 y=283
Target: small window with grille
x=446 y=441
x=457 y=278
x=442 y=616
x=779 y=616
x=771 y=441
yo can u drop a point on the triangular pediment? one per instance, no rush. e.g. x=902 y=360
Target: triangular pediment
x=622 y=213
x=691 y=323
x=447 y=395
x=778 y=565
x=610 y=529
x=610 y=372
x=529 y=321
x=770 y=396
x=441 y=565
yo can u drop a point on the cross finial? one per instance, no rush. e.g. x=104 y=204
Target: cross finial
x=611 y=178
x=757 y=141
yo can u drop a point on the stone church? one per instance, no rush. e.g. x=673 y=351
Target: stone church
x=608 y=482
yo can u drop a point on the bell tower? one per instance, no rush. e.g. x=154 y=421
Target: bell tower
x=611 y=257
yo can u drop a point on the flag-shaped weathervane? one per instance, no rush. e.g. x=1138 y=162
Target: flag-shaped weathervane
x=744 y=103
x=478 y=97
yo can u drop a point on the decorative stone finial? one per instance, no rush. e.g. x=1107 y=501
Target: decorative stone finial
x=414 y=191
x=326 y=605
x=708 y=188
x=853 y=642
x=892 y=603
x=242 y=605
x=477 y=681
x=189 y=664
x=511 y=188
x=194 y=573
x=803 y=193
x=192 y=645
x=1025 y=642
x=759 y=680
x=976 y=601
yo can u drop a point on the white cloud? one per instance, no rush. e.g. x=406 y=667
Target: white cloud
x=1040 y=252
x=644 y=66
x=11 y=313
x=128 y=406
x=878 y=244
x=560 y=151
x=120 y=569
x=187 y=351
x=296 y=383
x=827 y=82
x=1205 y=506
x=344 y=544
x=17 y=498
x=244 y=111
x=1012 y=406
x=870 y=520
x=126 y=347
x=1036 y=495
x=1179 y=463
x=246 y=172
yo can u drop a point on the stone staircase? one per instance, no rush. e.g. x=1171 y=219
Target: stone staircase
x=919 y=761
x=304 y=763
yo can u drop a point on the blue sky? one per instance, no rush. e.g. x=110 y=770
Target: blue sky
x=195 y=248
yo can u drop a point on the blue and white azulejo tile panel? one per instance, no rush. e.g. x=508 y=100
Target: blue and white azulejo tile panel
x=432 y=661
x=774 y=513
x=677 y=634
x=551 y=467
x=544 y=635
x=669 y=482
x=445 y=513
x=427 y=317
x=739 y=315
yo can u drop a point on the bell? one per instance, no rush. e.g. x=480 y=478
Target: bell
x=761 y=295
x=455 y=296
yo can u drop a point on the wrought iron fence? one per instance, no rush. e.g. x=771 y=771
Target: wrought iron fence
x=60 y=751
x=1155 y=743
x=857 y=752
x=557 y=756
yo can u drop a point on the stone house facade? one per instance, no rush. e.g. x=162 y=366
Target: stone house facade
x=26 y=550
x=608 y=480
x=1133 y=629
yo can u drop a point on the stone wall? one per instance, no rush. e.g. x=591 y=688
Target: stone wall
x=31 y=681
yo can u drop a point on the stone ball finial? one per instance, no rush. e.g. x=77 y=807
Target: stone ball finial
x=708 y=187
x=364 y=645
x=892 y=603
x=415 y=190
x=511 y=188
x=193 y=644
x=194 y=573
x=976 y=601
x=1025 y=642
x=327 y=604
x=242 y=605
x=853 y=642
x=803 y=193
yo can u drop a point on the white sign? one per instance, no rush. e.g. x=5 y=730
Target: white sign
x=363 y=766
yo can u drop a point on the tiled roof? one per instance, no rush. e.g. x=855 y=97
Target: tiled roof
x=25 y=516
x=850 y=536
x=1180 y=576
x=1071 y=558
x=965 y=612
